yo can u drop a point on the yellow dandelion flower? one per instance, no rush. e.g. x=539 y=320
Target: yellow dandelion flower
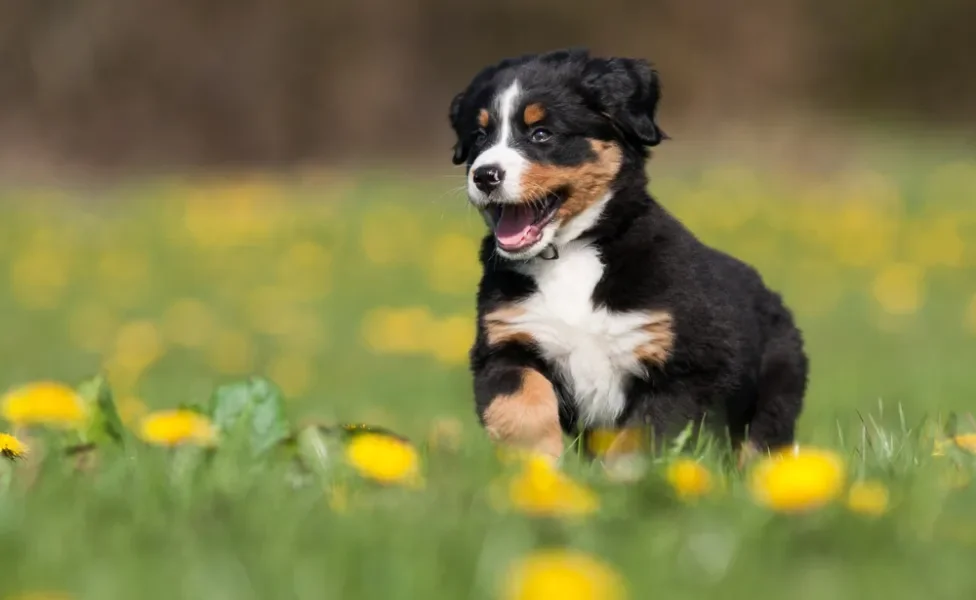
x=11 y=447
x=39 y=277
x=450 y=338
x=603 y=441
x=599 y=440
x=689 y=478
x=899 y=288
x=452 y=267
x=865 y=236
x=563 y=574
x=622 y=450
x=398 y=330
x=963 y=441
x=383 y=458
x=541 y=490
x=138 y=345
x=797 y=481
x=966 y=441
x=222 y=215
x=177 y=427
x=45 y=403
x=936 y=242
x=868 y=498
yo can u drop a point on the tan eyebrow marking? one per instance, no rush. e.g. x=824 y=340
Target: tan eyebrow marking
x=534 y=113
x=483 y=118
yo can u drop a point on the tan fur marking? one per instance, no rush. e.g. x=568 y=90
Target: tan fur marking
x=499 y=327
x=534 y=113
x=587 y=183
x=660 y=327
x=483 y=118
x=529 y=418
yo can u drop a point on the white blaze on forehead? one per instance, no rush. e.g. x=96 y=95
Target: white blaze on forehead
x=502 y=154
x=505 y=104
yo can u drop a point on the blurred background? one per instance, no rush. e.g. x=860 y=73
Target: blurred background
x=199 y=190
x=193 y=83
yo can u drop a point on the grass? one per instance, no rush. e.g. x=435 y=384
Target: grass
x=354 y=295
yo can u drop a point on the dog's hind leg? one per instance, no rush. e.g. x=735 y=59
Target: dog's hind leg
x=782 y=384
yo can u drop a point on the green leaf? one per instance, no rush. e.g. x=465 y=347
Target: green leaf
x=250 y=411
x=105 y=425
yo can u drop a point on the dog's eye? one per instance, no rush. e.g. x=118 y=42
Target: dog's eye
x=540 y=135
x=480 y=136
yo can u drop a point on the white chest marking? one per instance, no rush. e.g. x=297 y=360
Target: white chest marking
x=595 y=351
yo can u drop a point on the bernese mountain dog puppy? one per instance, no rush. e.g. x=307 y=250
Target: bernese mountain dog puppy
x=596 y=307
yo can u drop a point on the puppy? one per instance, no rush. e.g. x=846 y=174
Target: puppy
x=597 y=308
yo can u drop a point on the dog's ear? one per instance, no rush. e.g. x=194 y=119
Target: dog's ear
x=461 y=146
x=627 y=91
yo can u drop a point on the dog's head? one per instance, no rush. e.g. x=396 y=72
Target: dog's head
x=544 y=137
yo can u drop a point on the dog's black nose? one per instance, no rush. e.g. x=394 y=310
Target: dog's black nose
x=488 y=177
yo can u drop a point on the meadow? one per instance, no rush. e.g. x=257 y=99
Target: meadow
x=272 y=310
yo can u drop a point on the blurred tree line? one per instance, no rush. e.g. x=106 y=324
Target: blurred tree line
x=169 y=82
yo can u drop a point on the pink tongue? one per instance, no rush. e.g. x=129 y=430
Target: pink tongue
x=514 y=225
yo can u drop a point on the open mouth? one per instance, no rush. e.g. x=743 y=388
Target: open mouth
x=519 y=226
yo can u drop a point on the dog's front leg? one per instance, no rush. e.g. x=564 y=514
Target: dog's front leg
x=518 y=407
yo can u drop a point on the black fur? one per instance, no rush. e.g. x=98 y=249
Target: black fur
x=738 y=361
